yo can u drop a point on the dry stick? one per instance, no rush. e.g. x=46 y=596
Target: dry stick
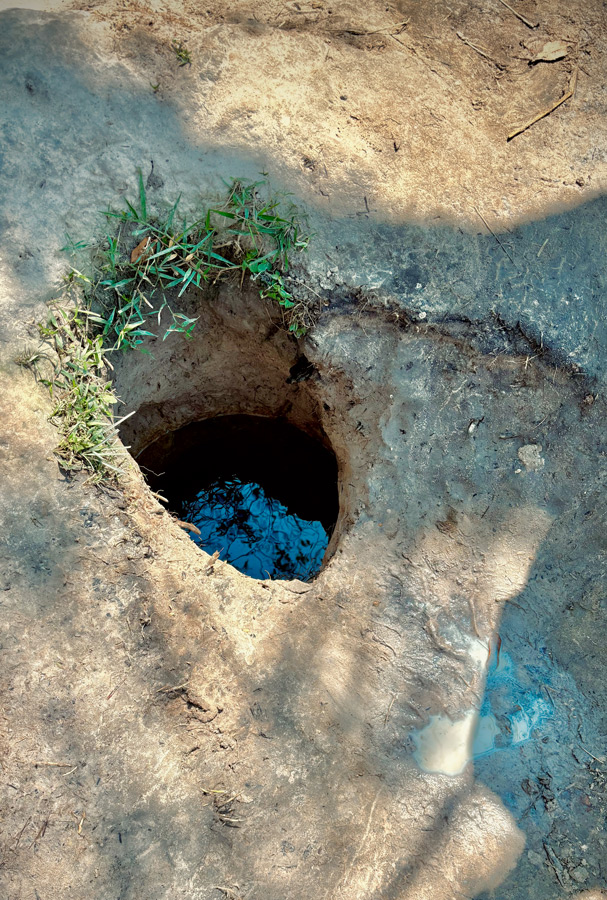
x=399 y=42
x=518 y=16
x=557 y=869
x=478 y=50
x=491 y=231
x=168 y=690
x=473 y=610
x=546 y=112
x=21 y=832
x=387 y=716
x=114 y=689
x=385 y=30
x=591 y=754
x=41 y=832
x=187 y=526
x=389 y=29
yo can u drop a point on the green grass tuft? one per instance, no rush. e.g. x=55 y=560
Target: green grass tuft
x=83 y=393
x=247 y=234
x=182 y=53
x=138 y=277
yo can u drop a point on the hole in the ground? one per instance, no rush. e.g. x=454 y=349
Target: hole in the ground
x=240 y=400
x=259 y=490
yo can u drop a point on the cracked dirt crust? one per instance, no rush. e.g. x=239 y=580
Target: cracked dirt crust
x=169 y=732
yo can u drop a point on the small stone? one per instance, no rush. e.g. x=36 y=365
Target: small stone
x=530 y=456
x=580 y=874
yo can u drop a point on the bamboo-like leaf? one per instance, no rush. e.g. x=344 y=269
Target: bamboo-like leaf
x=187 y=281
x=169 y=222
x=142 y=198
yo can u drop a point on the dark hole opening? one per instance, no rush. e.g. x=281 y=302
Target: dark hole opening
x=260 y=491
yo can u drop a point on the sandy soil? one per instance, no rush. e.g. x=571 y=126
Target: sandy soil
x=171 y=730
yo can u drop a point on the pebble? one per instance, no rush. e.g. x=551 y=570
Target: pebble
x=580 y=874
x=530 y=456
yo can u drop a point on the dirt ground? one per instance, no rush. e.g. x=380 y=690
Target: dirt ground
x=173 y=729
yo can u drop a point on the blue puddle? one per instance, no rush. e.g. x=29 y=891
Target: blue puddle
x=514 y=717
x=515 y=707
x=254 y=532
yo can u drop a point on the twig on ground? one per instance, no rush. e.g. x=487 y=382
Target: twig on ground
x=187 y=526
x=518 y=16
x=595 y=758
x=555 y=863
x=473 y=610
x=41 y=832
x=431 y=627
x=21 y=832
x=389 y=710
x=167 y=690
x=546 y=112
x=509 y=600
x=479 y=50
x=491 y=231
x=387 y=29
x=399 y=42
x=114 y=689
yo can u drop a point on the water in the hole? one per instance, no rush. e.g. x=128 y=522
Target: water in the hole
x=254 y=532
x=260 y=491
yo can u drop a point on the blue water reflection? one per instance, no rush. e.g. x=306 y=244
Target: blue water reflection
x=254 y=532
x=515 y=707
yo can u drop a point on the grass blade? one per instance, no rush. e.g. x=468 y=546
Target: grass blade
x=142 y=197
